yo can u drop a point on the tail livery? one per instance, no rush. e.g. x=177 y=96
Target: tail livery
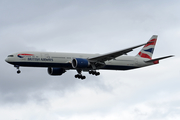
x=148 y=49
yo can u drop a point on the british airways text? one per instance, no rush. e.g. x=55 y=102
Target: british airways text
x=40 y=59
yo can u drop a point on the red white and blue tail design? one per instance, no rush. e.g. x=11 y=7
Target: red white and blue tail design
x=148 y=49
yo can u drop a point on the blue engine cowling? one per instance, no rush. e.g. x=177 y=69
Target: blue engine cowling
x=56 y=71
x=80 y=63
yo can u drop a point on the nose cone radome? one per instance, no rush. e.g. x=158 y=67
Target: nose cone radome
x=6 y=60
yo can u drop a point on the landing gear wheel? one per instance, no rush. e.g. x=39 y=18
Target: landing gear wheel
x=90 y=72
x=79 y=76
x=76 y=76
x=98 y=73
x=83 y=77
x=18 y=71
x=94 y=73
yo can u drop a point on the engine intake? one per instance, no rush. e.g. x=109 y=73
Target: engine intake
x=56 y=71
x=80 y=63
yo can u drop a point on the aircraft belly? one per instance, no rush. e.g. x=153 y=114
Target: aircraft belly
x=43 y=64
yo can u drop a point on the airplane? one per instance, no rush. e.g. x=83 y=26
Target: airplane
x=57 y=63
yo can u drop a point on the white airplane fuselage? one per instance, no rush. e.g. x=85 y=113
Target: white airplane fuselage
x=58 y=63
x=64 y=60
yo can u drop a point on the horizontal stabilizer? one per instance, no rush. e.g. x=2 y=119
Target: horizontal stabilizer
x=157 y=59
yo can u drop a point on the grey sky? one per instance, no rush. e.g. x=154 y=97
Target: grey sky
x=150 y=93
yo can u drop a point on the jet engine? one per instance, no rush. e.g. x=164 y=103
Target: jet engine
x=56 y=71
x=80 y=63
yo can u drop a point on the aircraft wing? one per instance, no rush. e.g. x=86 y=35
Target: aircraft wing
x=113 y=55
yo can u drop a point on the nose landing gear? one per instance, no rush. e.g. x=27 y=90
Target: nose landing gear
x=17 y=68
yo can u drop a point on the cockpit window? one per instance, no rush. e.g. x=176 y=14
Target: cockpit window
x=10 y=55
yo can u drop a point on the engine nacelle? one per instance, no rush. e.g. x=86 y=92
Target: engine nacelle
x=80 y=63
x=56 y=71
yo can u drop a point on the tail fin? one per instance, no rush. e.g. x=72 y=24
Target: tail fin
x=148 y=49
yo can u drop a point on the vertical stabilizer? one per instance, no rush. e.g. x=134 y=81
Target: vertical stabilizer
x=148 y=49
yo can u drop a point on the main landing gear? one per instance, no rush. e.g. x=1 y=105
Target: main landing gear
x=94 y=73
x=79 y=75
x=18 y=71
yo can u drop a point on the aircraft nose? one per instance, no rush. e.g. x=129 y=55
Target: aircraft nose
x=6 y=59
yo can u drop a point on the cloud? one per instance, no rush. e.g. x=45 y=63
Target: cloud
x=89 y=27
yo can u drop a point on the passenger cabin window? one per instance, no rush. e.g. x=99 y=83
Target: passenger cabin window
x=10 y=55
